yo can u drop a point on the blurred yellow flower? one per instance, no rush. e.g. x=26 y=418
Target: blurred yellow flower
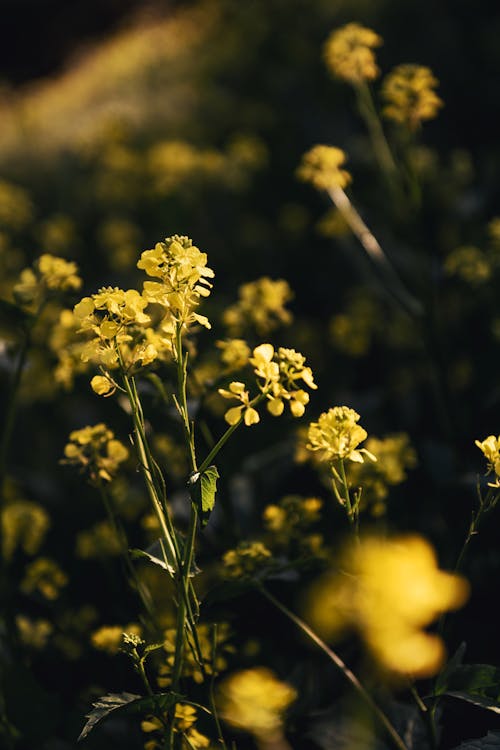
x=469 y=263
x=48 y=276
x=247 y=559
x=45 y=577
x=322 y=167
x=23 y=524
x=260 y=306
x=410 y=97
x=255 y=700
x=349 y=53
x=33 y=633
x=389 y=590
x=109 y=638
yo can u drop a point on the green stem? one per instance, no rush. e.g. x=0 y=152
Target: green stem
x=381 y=147
x=335 y=658
x=213 y=706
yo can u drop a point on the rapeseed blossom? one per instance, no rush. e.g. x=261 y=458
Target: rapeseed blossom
x=336 y=436
x=184 y=724
x=96 y=450
x=109 y=638
x=349 y=53
x=408 y=91
x=390 y=591
x=255 y=700
x=23 y=525
x=246 y=560
x=191 y=667
x=322 y=166
x=45 y=577
x=48 y=275
x=490 y=447
x=260 y=306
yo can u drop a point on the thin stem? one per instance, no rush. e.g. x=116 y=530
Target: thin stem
x=380 y=144
x=335 y=658
x=211 y=691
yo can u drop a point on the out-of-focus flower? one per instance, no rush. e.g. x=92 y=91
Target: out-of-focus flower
x=33 y=633
x=289 y=523
x=44 y=576
x=16 y=210
x=255 y=700
x=389 y=590
x=349 y=53
x=322 y=167
x=48 y=276
x=337 y=434
x=261 y=306
x=96 y=450
x=23 y=524
x=490 y=448
x=235 y=354
x=191 y=667
x=469 y=263
x=184 y=724
x=408 y=91
x=102 y=540
x=246 y=560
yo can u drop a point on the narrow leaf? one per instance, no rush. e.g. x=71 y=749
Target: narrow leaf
x=159 y=554
x=475 y=683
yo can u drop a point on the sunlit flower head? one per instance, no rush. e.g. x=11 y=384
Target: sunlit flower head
x=490 y=448
x=408 y=91
x=96 y=450
x=390 y=591
x=255 y=700
x=349 y=53
x=337 y=434
x=322 y=166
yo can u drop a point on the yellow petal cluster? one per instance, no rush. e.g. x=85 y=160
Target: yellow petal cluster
x=469 y=263
x=289 y=522
x=349 y=53
x=23 y=525
x=337 y=434
x=408 y=91
x=109 y=638
x=48 y=276
x=234 y=354
x=44 y=576
x=184 y=278
x=322 y=167
x=232 y=416
x=255 y=700
x=96 y=450
x=33 y=633
x=260 y=306
x=184 y=723
x=246 y=560
x=390 y=591
x=490 y=447
x=191 y=667
x=100 y=541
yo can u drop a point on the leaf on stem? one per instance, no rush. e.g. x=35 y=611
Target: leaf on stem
x=203 y=488
x=160 y=554
x=475 y=683
x=127 y=703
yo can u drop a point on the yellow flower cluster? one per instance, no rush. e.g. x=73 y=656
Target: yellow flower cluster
x=109 y=638
x=16 y=210
x=337 y=434
x=255 y=700
x=184 y=724
x=102 y=540
x=97 y=451
x=48 y=276
x=394 y=456
x=184 y=278
x=24 y=525
x=33 y=633
x=45 y=577
x=469 y=263
x=288 y=523
x=322 y=167
x=246 y=560
x=235 y=354
x=260 y=306
x=408 y=91
x=389 y=590
x=349 y=53
x=278 y=373
x=67 y=347
x=490 y=447
x=191 y=668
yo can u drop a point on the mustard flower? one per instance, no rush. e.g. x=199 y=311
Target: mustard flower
x=490 y=448
x=232 y=416
x=33 y=633
x=184 y=278
x=45 y=577
x=336 y=435
x=349 y=53
x=246 y=560
x=184 y=724
x=23 y=524
x=101 y=540
x=260 y=306
x=96 y=450
x=48 y=276
x=191 y=667
x=390 y=591
x=255 y=700
x=16 y=209
x=322 y=167
x=408 y=91
x=280 y=372
x=234 y=354
x=109 y=638
x=470 y=264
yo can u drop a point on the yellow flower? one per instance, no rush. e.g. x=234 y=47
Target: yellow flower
x=389 y=590
x=184 y=721
x=101 y=540
x=246 y=560
x=322 y=167
x=191 y=667
x=109 y=638
x=469 y=263
x=23 y=524
x=45 y=576
x=255 y=700
x=96 y=450
x=234 y=353
x=261 y=306
x=349 y=53
x=490 y=447
x=336 y=435
x=232 y=416
x=410 y=96
x=280 y=372
x=33 y=633
x=48 y=276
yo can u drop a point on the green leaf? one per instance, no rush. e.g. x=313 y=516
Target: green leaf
x=490 y=742
x=475 y=683
x=443 y=677
x=160 y=554
x=203 y=488
x=126 y=703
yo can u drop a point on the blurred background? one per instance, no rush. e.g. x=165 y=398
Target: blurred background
x=122 y=122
